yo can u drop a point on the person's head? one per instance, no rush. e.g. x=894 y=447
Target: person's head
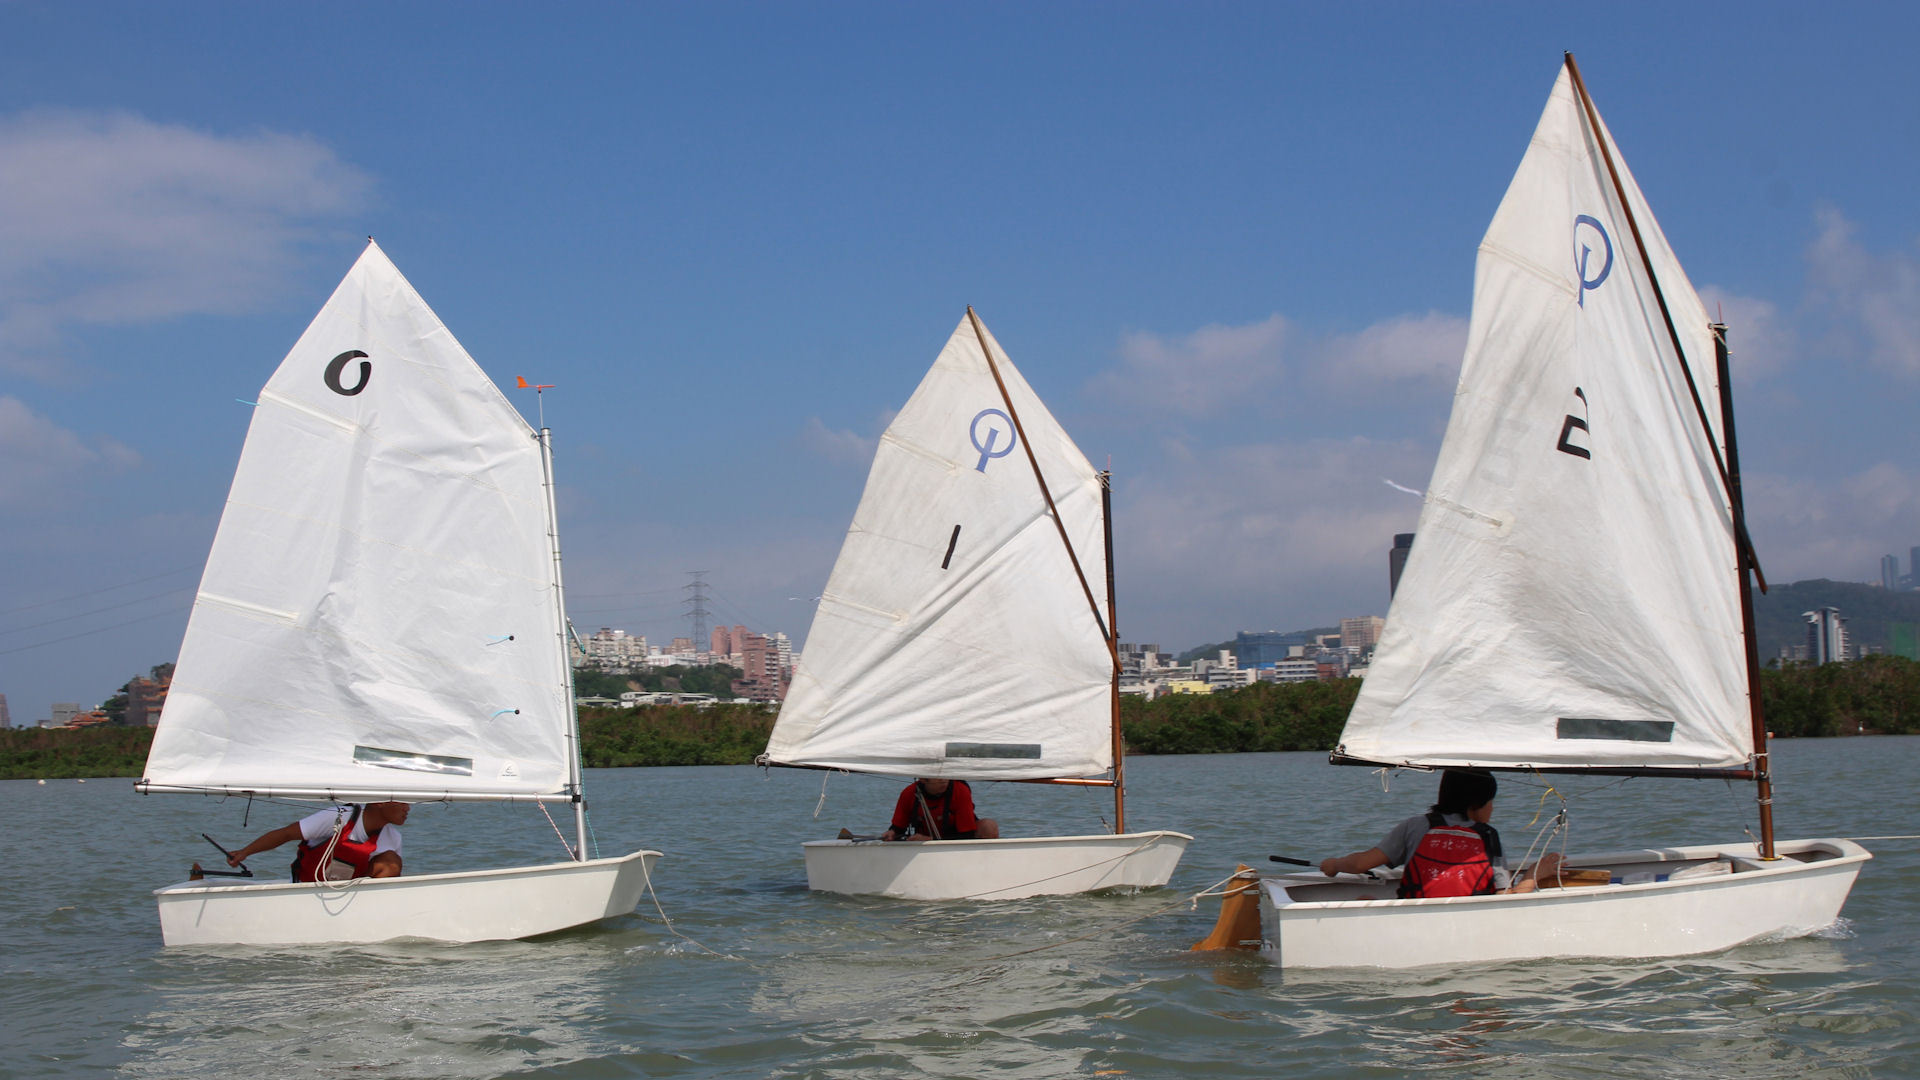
x=395 y=813
x=935 y=786
x=1464 y=791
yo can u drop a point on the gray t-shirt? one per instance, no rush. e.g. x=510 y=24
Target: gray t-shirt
x=1400 y=841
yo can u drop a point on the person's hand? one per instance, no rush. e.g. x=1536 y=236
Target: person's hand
x=234 y=859
x=1330 y=867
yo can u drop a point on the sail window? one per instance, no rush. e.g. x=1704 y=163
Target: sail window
x=993 y=750
x=409 y=761
x=1596 y=727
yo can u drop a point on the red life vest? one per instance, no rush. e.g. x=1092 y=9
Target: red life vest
x=350 y=858
x=1451 y=860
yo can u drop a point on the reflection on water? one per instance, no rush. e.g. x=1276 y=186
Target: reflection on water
x=812 y=985
x=409 y=1009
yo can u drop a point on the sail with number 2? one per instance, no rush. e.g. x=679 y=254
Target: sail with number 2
x=1572 y=596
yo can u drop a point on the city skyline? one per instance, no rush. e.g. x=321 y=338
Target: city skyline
x=1232 y=249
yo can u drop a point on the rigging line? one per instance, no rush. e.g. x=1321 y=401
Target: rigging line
x=96 y=592
x=1108 y=927
x=1143 y=845
x=85 y=633
x=646 y=874
x=1046 y=493
x=556 y=830
x=95 y=611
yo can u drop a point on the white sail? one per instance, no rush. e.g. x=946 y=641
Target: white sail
x=378 y=614
x=1571 y=599
x=954 y=637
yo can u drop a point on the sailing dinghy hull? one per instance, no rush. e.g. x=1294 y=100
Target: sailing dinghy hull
x=1005 y=869
x=1662 y=902
x=479 y=905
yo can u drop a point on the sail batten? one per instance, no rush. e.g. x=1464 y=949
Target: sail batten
x=955 y=621
x=1585 y=615
x=377 y=612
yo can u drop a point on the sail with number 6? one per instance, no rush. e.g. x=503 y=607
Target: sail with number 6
x=381 y=618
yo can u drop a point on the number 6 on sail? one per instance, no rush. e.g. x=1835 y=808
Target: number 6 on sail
x=382 y=618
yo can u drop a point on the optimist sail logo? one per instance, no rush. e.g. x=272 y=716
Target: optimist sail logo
x=986 y=431
x=1586 y=230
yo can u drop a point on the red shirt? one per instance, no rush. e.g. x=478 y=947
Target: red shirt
x=952 y=812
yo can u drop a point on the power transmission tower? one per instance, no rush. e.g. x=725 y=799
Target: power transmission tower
x=697 y=608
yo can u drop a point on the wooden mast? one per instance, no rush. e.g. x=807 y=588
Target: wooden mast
x=1762 y=772
x=1113 y=642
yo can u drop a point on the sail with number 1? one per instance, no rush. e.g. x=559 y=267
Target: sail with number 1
x=1577 y=598
x=966 y=633
x=381 y=618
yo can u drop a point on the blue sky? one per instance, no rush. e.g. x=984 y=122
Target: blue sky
x=1231 y=245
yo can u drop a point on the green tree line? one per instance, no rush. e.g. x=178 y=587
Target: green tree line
x=1878 y=695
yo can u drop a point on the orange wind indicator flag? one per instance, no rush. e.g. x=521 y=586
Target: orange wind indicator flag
x=522 y=384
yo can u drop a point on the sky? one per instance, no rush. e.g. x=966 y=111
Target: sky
x=1230 y=245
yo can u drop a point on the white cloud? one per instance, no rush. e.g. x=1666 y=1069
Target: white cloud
x=1832 y=527
x=1198 y=373
x=1872 y=299
x=1422 y=347
x=1270 y=536
x=1762 y=341
x=38 y=456
x=840 y=446
x=110 y=218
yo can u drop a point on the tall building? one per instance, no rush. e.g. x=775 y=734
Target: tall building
x=1397 y=561
x=763 y=677
x=63 y=713
x=1826 y=636
x=615 y=651
x=1890 y=572
x=5 y=719
x=1361 y=633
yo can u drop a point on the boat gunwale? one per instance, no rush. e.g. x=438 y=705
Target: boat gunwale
x=192 y=889
x=950 y=845
x=1846 y=853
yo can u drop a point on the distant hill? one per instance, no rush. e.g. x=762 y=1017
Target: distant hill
x=1213 y=650
x=1868 y=610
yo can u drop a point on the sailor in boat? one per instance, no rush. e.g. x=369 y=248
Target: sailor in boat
x=1451 y=850
x=938 y=809
x=350 y=841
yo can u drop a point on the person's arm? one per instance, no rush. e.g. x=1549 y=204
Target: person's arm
x=266 y=842
x=1528 y=879
x=901 y=807
x=1357 y=863
x=385 y=864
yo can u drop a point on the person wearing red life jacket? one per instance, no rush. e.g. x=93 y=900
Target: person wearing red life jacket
x=352 y=841
x=938 y=809
x=1450 y=850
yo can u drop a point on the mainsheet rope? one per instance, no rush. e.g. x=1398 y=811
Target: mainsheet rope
x=1192 y=898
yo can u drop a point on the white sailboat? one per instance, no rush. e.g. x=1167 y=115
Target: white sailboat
x=959 y=637
x=382 y=617
x=1577 y=600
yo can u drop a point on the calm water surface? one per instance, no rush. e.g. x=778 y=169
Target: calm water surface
x=799 y=984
